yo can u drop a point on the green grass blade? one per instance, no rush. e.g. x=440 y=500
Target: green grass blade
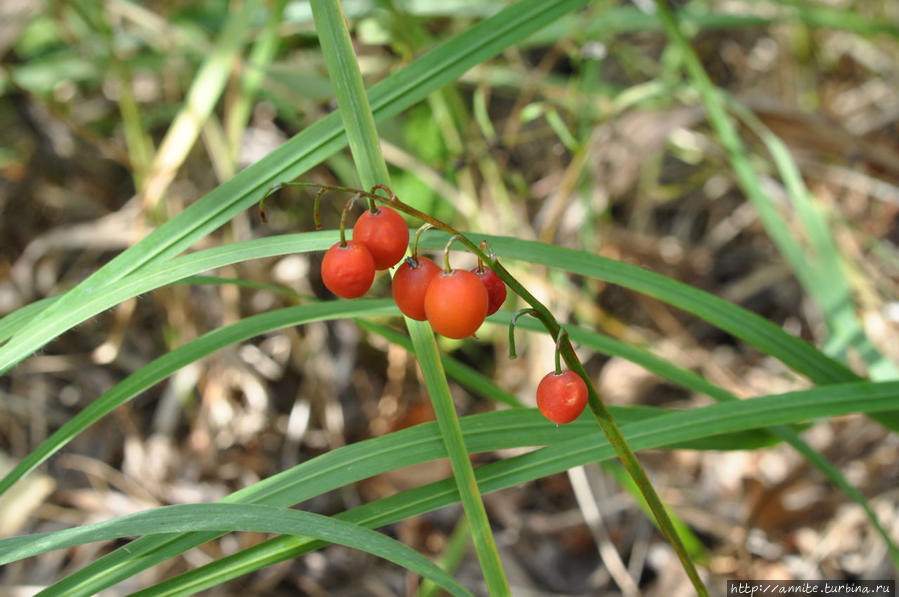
x=170 y=362
x=432 y=370
x=261 y=56
x=388 y=98
x=679 y=426
x=12 y=322
x=354 y=109
x=232 y=517
x=337 y=48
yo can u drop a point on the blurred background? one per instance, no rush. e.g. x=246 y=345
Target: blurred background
x=584 y=135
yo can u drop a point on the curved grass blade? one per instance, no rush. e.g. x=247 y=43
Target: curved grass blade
x=679 y=426
x=743 y=324
x=399 y=91
x=232 y=517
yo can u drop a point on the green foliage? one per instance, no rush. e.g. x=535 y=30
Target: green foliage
x=432 y=119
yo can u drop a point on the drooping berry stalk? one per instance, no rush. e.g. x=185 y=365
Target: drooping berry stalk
x=566 y=352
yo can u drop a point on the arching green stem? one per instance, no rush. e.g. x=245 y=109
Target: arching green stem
x=315 y=209
x=519 y=313
x=343 y=214
x=562 y=333
x=418 y=233
x=446 y=251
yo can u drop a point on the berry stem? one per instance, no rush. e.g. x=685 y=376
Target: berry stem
x=418 y=234
x=482 y=246
x=371 y=197
x=519 y=313
x=562 y=332
x=343 y=214
x=315 y=209
x=271 y=191
x=446 y=250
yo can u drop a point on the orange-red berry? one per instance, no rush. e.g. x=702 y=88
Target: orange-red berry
x=410 y=283
x=496 y=288
x=348 y=270
x=561 y=398
x=456 y=303
x=385 y=233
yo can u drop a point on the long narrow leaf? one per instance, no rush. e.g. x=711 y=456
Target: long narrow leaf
x=232 y=517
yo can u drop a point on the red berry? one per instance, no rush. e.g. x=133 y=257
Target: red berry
x=456 y=303
x=496 y=289
x=561 y=398
x=385 y=233
x=348 y=270
x=410 y=282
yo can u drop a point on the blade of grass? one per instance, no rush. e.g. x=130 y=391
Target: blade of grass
x=435 y=380
x=388 y=98
x=232 y=517
x=679 y=426
x=752 y=329
x=831 y=294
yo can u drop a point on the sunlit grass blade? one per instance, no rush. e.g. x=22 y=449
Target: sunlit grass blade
x=12 y=322
x=388 y=98
x=679 y=426
x=232 y=517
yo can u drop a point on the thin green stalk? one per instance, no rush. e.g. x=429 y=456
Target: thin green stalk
x=352 y=99
x=362 y=134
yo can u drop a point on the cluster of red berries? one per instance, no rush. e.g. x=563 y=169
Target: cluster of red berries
x=380 y=238
x=455 y=302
